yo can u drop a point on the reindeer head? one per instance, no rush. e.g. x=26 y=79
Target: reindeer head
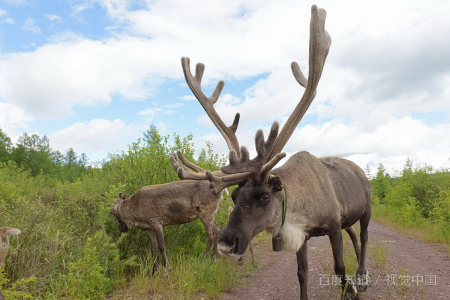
x=259 y=197
x=4 y=246
x=115 y=211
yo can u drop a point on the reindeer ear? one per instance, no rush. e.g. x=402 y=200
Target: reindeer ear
x=275 y=182
x=13 y=231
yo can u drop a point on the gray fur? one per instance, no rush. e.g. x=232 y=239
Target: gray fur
x=325 y=195
x=155 y=206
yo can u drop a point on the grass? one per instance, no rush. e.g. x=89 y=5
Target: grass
x=189 y=278
x=379 y=255
x=419 y=227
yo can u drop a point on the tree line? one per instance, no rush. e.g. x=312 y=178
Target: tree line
x=417 y=197
x=34 y=153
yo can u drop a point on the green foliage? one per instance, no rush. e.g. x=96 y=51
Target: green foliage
x=5 y=146
x=96 y=272
x=419 y=199
x=381 y=185
x=21 y=289
x=70 y=246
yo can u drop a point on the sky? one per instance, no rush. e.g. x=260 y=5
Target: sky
x=93 y=75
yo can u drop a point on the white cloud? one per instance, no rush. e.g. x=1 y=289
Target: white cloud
x=52 y=17
x=187 y=98
x=4 y=18
x=30 y=26
x=150 y=114
x=13 y=119
x=390 y=143
x=387 y=61
x=16 y=2
x=95 y=138
x=174 y=105
x=48 y=82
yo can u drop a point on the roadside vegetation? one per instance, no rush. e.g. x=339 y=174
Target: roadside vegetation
x=70 y=246
x=416 y=201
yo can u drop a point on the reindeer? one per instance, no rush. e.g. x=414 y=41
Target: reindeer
x=5 y=232
x=155 y=206
x=304 y=198
x=4 y=247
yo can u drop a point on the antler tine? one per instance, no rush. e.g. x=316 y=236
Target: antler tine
x=263 y=148
x=319 y=45
x=271 y=164
x=185 y=173
x=194 y=83
x=217 y=183
x=182 y=171
x=189 y=164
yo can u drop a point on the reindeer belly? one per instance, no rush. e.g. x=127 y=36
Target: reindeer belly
x=179 y=213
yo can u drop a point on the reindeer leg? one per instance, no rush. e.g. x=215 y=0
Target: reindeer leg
x=250 y=247
x=352 y=233
x=302 y=273
x=154 y=241
x=337 y=246
x=361 y=273
x=212 y=231
x=161 y=246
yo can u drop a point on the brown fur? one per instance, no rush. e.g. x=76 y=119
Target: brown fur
x=4 y=241
x=4 y=246
x=155 y=206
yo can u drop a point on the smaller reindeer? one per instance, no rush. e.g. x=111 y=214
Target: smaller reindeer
x=4 y=247
x=155 y=206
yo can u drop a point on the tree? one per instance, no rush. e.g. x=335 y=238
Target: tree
x=33 y=153
x=5 y=146
x=151 y=135
x=368 y=171
x=70 y=159
x=381 y=184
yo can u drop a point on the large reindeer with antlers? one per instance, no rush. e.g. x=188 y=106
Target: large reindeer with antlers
x=304 y=198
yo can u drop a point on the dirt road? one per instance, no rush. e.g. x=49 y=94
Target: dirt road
x=400 y=267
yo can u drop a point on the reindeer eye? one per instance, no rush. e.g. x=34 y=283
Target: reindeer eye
x=265 y=199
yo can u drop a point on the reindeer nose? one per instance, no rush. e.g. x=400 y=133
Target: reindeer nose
x=229 y=242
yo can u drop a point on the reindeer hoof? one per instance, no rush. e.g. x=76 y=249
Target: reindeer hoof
x=350 y=293
x=363 y=281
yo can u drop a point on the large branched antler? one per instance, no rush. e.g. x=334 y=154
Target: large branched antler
x=319 y=45
x=190 y=170
x=241 y=167
x=269 y=152
x=194 y=83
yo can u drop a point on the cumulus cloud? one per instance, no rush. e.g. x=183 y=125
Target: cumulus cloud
x=95 y=138
x=391 y=143
x=48 y=82
x=13 y=119
x=384 y=65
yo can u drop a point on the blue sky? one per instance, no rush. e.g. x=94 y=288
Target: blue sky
x=95 y=74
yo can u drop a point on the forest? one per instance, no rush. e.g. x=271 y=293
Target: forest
x=70 y=246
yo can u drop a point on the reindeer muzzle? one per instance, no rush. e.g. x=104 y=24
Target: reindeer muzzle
x=122 y=227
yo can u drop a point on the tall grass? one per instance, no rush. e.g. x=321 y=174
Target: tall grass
x=70 y=247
